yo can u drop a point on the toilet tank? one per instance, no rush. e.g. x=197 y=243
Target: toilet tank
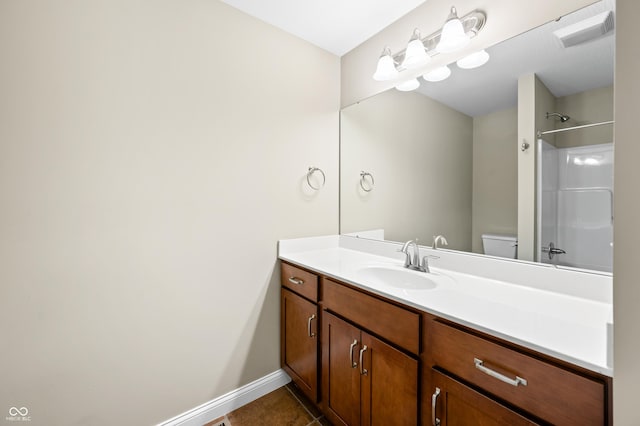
x=500 y=245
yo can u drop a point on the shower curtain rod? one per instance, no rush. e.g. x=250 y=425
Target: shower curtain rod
x=548 y=132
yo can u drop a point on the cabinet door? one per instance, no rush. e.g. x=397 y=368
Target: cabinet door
x=299 y=350
x=389 y=380
x=340 y=372
x=458 y=405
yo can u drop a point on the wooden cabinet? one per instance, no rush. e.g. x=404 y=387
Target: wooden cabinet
x=299 y=350
x=390 y=387
x=539 y=387
x=298 y=280
x=396 y=324
x=455 y=404
x=365 y=380
x=340 y=374
x=299 y=324
x=360 y=357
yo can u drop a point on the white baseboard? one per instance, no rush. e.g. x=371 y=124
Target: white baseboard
x=230 y=401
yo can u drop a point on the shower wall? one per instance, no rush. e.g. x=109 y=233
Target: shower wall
x=576 y=205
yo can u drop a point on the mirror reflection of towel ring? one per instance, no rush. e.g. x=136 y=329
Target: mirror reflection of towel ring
x=310 y=173
x=366 y=187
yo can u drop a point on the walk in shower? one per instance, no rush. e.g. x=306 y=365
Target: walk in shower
x=575 y=206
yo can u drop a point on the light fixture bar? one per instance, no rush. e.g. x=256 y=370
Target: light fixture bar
x=472 y=23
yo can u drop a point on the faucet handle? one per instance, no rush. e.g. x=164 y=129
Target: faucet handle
x=425 y=261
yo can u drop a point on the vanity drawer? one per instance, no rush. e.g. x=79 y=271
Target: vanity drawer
x=551 y=393
x=300 y=281
x=393 y=323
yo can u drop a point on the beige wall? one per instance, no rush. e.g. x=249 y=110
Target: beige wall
x=410 y=144
x=505 y=19
x=592 y=106
x=148 y=165
x=495 y=175
x=626 y=292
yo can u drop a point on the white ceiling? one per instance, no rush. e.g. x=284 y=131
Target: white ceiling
x=334 y=25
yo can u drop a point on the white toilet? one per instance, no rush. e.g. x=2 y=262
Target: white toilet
x=500 y=245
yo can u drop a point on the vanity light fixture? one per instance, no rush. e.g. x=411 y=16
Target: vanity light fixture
x=409 y=85
x=415 y=55
x=453 y=35
x=456 y=33
x=438 y=74
x=386 y=69
x=475 y=60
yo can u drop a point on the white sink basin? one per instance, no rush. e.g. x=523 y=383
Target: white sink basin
x=397 y=277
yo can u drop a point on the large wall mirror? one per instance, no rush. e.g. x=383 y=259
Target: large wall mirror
x=443 y=159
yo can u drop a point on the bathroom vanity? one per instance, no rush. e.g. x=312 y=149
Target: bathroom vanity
x=373 y=343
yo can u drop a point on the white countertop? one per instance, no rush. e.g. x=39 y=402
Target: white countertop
x=565 y=324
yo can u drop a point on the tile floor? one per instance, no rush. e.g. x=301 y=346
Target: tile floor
x=285 y=406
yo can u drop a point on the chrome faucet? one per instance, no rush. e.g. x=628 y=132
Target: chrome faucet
x=439 y=239
x=414 y=263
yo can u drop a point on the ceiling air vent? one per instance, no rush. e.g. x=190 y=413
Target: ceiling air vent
x=585 y=30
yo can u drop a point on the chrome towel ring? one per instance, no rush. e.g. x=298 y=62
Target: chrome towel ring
x=364 y=184
x=310 y=173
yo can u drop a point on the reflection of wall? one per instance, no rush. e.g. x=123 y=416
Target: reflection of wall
x=495 y=175
x=419 y=152
x=591 y=106
x=148 y=167
x=534 y=99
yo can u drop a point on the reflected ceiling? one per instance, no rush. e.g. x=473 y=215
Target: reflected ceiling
x=483 y=90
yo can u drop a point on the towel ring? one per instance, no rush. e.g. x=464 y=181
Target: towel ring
x=363 y=179
x=310 y=173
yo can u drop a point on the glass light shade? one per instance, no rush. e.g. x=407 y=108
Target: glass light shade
x=409 y=85
x=474 y=60
x=452 y=37
x=415 y=56
x=438 y=74
x=386 y=69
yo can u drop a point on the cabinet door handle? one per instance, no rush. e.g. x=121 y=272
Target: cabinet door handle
x=434 y=399
x=311 y=318
x=353 y=345
x=513 y=382
x=363 y=371
x=296 y=280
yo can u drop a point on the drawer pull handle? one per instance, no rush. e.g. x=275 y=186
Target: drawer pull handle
x=434 y=399
x=363 y=371
x=513 y=382
x=295 y=280
x=353 y=345
x=311 y=318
